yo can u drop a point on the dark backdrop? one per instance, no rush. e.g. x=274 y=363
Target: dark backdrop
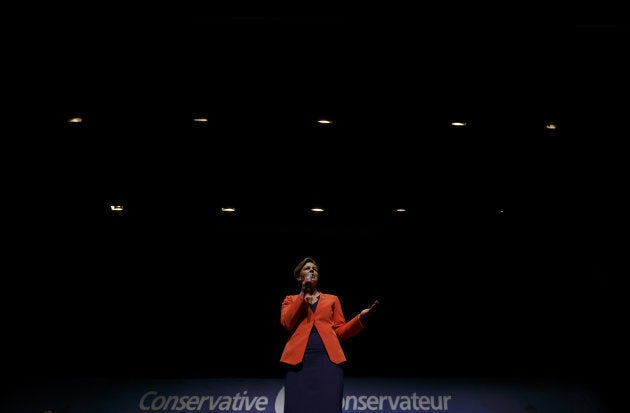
x=508 y=262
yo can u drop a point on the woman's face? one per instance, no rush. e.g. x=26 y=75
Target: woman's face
x=309 y=268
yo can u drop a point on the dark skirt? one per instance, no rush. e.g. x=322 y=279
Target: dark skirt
x=315 y=386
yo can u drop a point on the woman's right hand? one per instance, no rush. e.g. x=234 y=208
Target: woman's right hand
x=307 y=284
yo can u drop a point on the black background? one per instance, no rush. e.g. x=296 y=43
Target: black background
x=506 y=264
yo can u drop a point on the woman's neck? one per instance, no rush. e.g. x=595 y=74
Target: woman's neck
x=312 y=297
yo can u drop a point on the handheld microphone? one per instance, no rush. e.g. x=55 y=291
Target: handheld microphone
x=308 y=286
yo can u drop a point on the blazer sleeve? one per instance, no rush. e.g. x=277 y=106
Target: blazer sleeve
x=293 y=310
x=343 y=329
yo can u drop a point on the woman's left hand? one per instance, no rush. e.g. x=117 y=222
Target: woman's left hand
x=368 y=311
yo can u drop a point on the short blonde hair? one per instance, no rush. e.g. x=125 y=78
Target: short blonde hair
x=301 y=264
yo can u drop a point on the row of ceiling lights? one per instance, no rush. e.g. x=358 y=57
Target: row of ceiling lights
x=120 y=208
x=204 y=120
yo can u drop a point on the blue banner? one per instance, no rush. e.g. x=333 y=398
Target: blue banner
x=361 y=395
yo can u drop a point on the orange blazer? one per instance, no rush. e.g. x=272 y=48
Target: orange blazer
x=296 y=316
